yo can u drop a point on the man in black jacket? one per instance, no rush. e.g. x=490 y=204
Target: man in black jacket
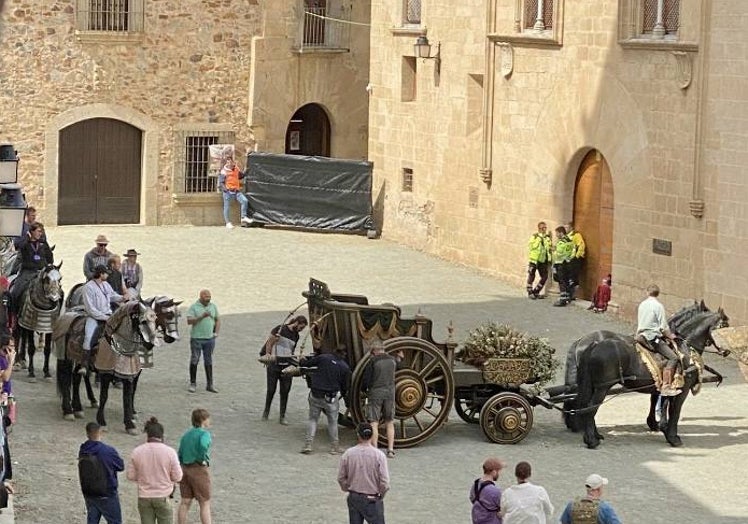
x=328 y=384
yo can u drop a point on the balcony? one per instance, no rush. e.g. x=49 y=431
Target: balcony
x=322 y=32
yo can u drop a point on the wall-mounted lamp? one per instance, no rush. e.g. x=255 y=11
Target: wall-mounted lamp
x=422 y=49
x=12 y=203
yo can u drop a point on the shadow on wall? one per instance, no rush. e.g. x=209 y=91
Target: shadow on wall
x=377 y=214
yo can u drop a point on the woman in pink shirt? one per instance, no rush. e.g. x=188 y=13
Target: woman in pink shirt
x=155 y=467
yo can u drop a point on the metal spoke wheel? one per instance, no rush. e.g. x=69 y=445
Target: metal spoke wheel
x=468 y=410
x=506 y=418
x=424 y=389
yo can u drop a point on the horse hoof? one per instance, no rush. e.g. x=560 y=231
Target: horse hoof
x=32 y=379
x=132 y=431
x=94 y=403
x=23 y=364
x=78 y=414
x=134 y=416
x=69 y=416
x=47 y=374
x=676 y=442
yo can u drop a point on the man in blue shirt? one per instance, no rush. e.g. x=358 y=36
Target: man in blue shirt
x=107 y=506
x=591 y=508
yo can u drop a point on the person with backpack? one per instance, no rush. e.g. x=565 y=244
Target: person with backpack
x=486 y=495
x=591 y=508
x=98 y=465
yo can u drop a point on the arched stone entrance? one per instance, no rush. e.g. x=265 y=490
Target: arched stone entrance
x=100 y=163
x=308 y=132
x=593 y=217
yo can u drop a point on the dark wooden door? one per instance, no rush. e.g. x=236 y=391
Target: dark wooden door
x=308 y=132
x=593 y=217
x=99 y=173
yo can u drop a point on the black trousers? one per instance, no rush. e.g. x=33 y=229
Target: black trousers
x=575 y=271
x=274 y=376
x=542 y=270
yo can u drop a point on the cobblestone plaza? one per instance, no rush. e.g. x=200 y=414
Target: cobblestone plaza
x=256 y=277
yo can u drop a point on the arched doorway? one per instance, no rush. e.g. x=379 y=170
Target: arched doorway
x=99 y=173
x=308 y=132
x=593 y=218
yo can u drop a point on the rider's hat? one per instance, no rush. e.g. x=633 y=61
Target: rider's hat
x=133 y=252
x=102 y=239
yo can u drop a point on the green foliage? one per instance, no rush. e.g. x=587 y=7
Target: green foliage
x=493 y=340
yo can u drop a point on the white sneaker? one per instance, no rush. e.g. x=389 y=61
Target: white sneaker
x=247 y=220
x=229 y=225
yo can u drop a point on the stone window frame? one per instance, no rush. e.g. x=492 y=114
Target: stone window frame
x=224 y=134
x=135 y=22
x=534 y=37
x=631 y=33
x=407 y=19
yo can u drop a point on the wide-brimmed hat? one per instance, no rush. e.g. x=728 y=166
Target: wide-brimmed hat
x=102 y=239
x=130 y=252
x=595 y=481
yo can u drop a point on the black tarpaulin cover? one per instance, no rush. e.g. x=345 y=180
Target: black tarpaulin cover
x=310 y=191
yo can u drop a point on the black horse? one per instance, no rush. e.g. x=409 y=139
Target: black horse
x=37 y=309
x=603 y=359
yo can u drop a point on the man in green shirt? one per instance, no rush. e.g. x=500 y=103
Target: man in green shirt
x=194 y=456
x=203 y=317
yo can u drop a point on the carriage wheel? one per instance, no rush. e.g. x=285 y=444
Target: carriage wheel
x=424 y=389
x=506 y=418
x=468 y=410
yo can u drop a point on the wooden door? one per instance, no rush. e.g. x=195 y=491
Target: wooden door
x=99 y=173
x=593 y=218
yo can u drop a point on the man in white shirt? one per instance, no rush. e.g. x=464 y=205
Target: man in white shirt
x=525 y=503
x=653 y=328
x=97 y=298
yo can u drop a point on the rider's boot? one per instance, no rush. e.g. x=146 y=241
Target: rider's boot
x=209 y=379
x=667 y=389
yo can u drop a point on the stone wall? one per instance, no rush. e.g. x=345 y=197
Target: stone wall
x=642 y=105
x=191 y=68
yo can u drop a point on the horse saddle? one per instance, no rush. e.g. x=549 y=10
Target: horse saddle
x=655 y=363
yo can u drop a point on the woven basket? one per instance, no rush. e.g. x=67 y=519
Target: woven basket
x=507 y=370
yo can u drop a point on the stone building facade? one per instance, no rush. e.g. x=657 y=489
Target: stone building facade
x=130 y=93
x=628 y=116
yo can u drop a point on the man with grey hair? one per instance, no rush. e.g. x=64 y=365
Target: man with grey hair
x=652 y=330
x=379 y=383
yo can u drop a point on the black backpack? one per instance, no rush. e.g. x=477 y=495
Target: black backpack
x=93 y=477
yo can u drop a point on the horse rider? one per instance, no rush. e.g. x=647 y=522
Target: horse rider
x=98 y=256
x=653 y=329
x=97 y=298
x=132 y=273
x=35 y=254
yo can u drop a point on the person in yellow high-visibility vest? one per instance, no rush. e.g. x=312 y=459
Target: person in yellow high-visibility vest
x=577 y=259
x=540 y=258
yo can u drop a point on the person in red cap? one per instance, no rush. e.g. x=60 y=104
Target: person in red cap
x=591 y=508
x=486 y=495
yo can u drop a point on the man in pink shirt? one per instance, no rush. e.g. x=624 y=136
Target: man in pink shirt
x=155 y=467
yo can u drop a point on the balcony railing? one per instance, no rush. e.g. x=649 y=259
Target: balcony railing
x=320 y=31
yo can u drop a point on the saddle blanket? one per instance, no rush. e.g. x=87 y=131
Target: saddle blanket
x=655 y=363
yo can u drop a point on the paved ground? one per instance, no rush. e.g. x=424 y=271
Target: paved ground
x=256 y=277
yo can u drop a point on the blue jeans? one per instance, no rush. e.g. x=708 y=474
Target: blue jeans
x=361 y=507
x=317 y=406
x=204 y=346
x=107 y=507
x=239 y=196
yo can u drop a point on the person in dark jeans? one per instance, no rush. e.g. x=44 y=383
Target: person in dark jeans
x=108 y=506
x=282 y=343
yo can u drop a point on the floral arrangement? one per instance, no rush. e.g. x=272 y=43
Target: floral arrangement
x=493 y=340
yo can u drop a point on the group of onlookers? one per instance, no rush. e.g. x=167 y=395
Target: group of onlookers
x=156 y=468
x=526 y=502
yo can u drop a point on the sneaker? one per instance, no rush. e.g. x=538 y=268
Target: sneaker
x=307 y=449
x=211 y=389
x=560 y=303
x=247 y=220
x=229 y=225
x=192 y=388
x=335 y=449
x=390 y=453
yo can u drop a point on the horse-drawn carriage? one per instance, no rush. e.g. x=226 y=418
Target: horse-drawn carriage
x=429 y=379
x=498 y=395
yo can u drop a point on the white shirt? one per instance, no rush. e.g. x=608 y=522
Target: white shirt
x=652 y=321
x=525 y=504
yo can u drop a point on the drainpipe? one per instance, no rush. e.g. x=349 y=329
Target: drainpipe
x=697 y=201
x=488 y=96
